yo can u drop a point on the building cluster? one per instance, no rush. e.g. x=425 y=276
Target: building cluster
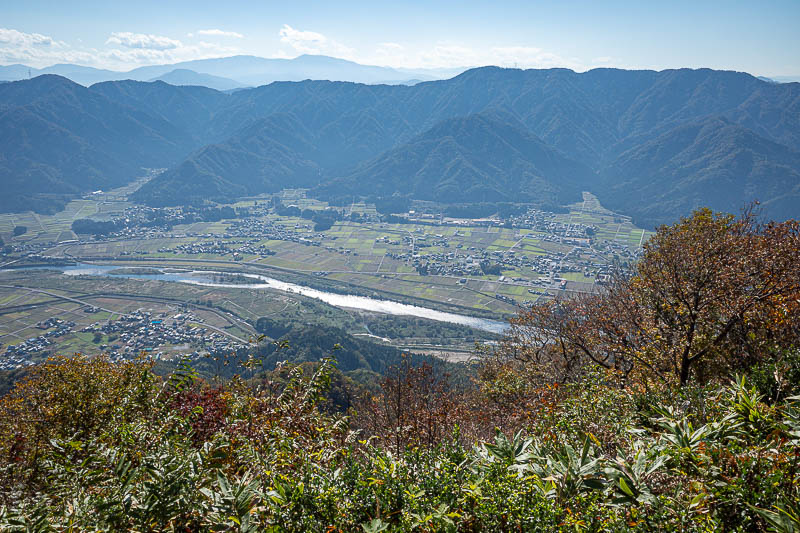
x=216 y=247
x=128 y=337
x=142 y=331
x=19 y=354
x=263 y=228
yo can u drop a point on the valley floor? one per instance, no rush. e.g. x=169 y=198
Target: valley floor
x=486 y=267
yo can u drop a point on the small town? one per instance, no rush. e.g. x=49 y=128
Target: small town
x=156 y=336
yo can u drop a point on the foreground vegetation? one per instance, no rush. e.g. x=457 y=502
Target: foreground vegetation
x=88 y=446
x=669 y=402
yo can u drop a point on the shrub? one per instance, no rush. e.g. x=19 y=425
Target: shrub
x=88 y=445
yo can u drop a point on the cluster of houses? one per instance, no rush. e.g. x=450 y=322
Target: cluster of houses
x=266 y=229
x=217 y=247
x=127 y=337
x=243 y=238
x=19 y=354
x=142 y=331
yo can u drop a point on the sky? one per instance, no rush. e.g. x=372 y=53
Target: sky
x=760 y=37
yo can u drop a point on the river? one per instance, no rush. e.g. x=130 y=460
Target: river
x=206 y=278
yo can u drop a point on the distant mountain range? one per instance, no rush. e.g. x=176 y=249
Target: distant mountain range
x=182 y=76
x=653 y=145
x=238 y=71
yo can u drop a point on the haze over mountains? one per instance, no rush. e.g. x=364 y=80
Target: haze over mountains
x=183 y=76
x=650 y=144
x=237 y=71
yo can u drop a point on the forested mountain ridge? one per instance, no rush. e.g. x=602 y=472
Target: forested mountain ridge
x=712 y=162
x=486 y=157
x=187 y=107
x=58 y=139
x=606 y=120
x=267 y=155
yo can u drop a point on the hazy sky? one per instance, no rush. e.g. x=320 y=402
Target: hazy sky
x=762 y=37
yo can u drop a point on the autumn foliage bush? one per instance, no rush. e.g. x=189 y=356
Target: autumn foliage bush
x=712 y=295
x=178 y=455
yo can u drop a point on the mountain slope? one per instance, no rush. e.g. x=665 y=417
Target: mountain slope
x=60 y=138
x=72 y=163
x=593 y=117
x=270 y=155
x=484 y=157
x=712 y=163
x=188 y=108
